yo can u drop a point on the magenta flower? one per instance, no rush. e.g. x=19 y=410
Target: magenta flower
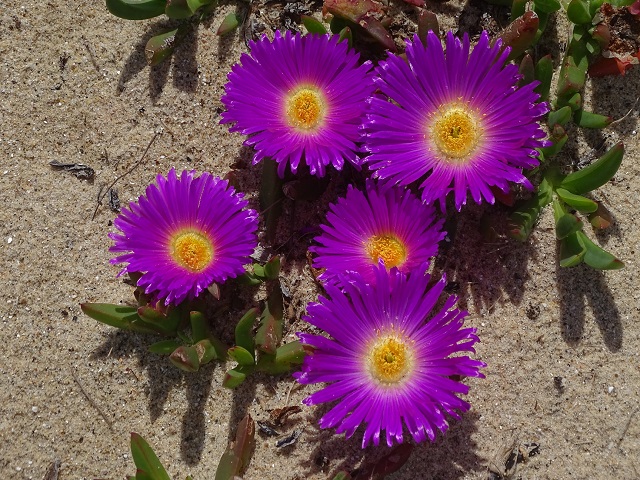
x=388 y=360
x=388 y=224
x=184 y=234
x=455 y=121
x=299 y=99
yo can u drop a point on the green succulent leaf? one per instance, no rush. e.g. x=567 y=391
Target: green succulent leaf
x=597 y=174
x=580 y=203
x=244 y=327
x=241 y=355
x=346 y=34
x=229 y=24
x=544 y=74
x=558 y=138
x=601 y=218
x=272 y=268
x=271 y=196
x=572 y=251
x=206 y=351
x=119 y=316
x=178 y=9
x=312 y=25
x=578 y=12
x=559 y=117
x=547 y=6
x=290 y=353
x=596 y=257
x=136 y=9
x=234 y=377
x=591 y=120
x=164 y=347
x=524 y=218
x=147 y=463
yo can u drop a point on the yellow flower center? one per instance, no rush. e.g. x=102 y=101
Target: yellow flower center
x=192 y=250
x=456 y=131
x=388 y=248
x=305 y=109
x=389 y=359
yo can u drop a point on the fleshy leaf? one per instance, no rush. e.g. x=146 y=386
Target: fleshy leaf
x=136 y=9
x=566 y=223
x=292 y=352
x=544 y=74
x=237 y=456
x=312 y=25
x=178 y=9
x=206 y=351
x=233 y=378
x=244 y=327
x=523 y=220
x=185 y=358
x=241 y=355
x=229 y=24
x=547 y=6
x=520 y=34
x=147 y=463
x=601 y=218
x=578 y=12
x=162 y=46
x=164 y=347
x=270 y=332
x=119 y=316
x=580 y=203
x=597 y=174
x=571 y=251
x=272 y=268
x=561 y=116
x=591 y=120
x=389 y=463
x=427 y=21
x=271 y=197
x=596 y=257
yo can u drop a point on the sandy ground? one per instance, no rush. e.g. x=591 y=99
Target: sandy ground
x=562 y=346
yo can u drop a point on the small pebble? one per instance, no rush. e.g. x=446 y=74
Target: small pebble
x=611 y=389
x=9 y=240
x=34 y=409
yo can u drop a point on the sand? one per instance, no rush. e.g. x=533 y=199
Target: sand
x=562 y=346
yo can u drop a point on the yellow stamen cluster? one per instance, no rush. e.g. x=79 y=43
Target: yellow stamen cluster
x=456 y=131
x=192 y=250
x=388 y=248
x=389 y=359
x=305 y=109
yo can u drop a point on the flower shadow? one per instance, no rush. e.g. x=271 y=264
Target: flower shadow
x=162 y=379
x=578 y=286
x=451 y=456
x=482 y=267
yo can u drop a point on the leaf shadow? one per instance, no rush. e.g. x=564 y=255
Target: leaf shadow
x=162 y=379
x=482 y=267
x=582 y=285
x=185 y=67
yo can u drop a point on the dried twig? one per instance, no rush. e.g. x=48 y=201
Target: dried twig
x=102 y=193
x=91 y=401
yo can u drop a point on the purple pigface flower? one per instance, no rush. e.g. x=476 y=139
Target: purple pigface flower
x=388 y=360
x=454 y=120
x=381 y=223
x=184 y=234
x=299 y=98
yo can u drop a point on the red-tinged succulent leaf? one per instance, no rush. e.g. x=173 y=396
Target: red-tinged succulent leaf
x=270 y=332
x=241 y=355
x=378 y=32
x=506 y=198
x=185 y=358
x=146 y=461
x=586 y=119
x=237 y=456
x=602 y=34
x=596 y=257
x=610 y=66
x=520 y=34
x=352 y=10
x=427 y=21
x=161 y=46
x=417 y=3
x=233 y=378
x=601 y=218
x=206 y=351
x=634 y=8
